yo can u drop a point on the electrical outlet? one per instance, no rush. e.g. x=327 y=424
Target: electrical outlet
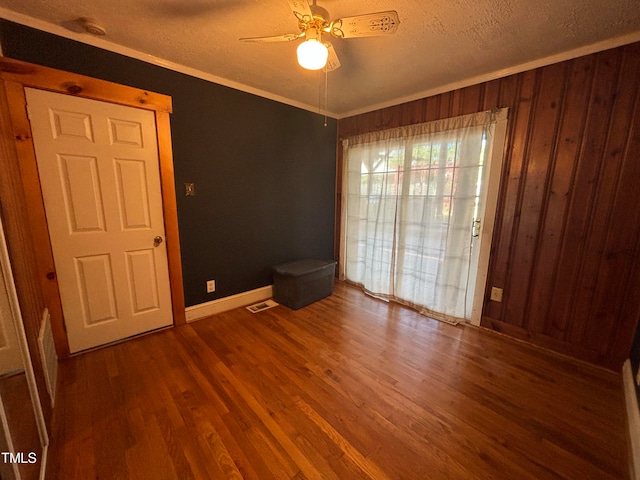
x=496 y=294
x=211 y=286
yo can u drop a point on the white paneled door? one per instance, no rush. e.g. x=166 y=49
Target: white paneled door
x=99 y=172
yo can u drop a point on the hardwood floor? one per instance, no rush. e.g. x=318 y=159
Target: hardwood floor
x=346 y=388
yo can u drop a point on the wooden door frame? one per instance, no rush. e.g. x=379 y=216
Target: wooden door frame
x=15 y=77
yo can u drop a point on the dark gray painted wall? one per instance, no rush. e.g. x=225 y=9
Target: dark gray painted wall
x=264 y=172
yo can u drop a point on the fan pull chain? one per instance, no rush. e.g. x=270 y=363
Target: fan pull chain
x=326 y=89
x=320 y=87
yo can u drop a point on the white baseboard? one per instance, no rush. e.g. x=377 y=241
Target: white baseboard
x=202 y=310
x=633 y=419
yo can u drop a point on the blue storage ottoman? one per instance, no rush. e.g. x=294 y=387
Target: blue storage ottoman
x=297 y=284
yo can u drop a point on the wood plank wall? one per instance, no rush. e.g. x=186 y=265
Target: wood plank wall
x=566 y=244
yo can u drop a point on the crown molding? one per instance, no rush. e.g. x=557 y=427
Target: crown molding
x=145 y=57
x=487 y=77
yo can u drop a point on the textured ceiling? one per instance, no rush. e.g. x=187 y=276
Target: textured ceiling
x=440 y=44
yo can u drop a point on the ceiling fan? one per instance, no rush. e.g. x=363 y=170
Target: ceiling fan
x=313 y=22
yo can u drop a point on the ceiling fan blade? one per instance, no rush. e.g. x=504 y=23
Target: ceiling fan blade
x=287 y=37
x=301 y=10
x=332 y=59
x=368 y=25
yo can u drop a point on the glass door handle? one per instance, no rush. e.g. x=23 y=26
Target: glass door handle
x=475 y=228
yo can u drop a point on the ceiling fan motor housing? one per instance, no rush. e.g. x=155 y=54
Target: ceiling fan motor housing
x=319 y=12
x=319 y=20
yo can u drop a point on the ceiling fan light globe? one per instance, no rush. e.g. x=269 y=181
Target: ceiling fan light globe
x=312 y=54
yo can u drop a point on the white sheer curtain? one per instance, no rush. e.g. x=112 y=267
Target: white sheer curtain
x=410 y=198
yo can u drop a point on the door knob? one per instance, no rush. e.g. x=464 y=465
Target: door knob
x=157 y=241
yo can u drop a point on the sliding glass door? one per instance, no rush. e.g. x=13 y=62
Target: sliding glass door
x=416 y=201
